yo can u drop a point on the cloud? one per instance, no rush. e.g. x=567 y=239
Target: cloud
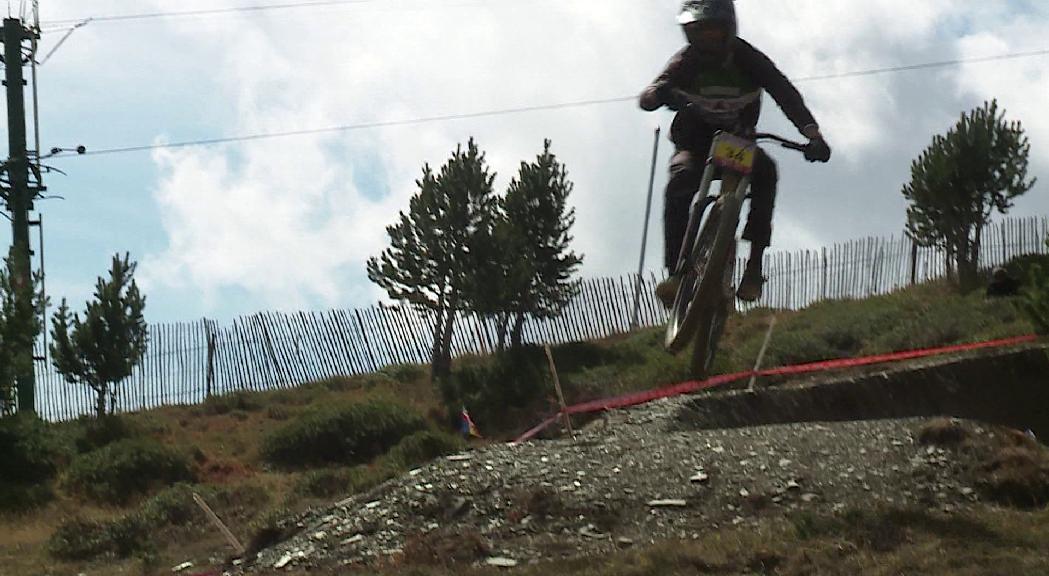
x=291 y=221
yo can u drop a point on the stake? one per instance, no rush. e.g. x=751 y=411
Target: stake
x=761 y=355
x=560 y=395
x=237 y=546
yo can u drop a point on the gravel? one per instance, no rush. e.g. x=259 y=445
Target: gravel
x=628 y=479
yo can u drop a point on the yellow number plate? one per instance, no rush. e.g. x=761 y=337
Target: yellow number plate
x=734 y=153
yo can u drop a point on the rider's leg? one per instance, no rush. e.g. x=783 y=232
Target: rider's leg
x=686 y=172
x=758 y=230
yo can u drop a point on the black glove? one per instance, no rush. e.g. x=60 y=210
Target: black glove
x=673 y=98
x=817 y=150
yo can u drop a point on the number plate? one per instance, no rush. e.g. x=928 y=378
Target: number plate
x=734 y=153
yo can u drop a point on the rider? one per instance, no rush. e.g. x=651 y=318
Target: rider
x=715 y=83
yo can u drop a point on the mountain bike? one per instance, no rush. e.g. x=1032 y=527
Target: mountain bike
x=706 y=262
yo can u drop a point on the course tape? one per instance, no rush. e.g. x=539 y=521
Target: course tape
x=645 y=396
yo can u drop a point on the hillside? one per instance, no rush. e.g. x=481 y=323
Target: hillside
x=228 y=446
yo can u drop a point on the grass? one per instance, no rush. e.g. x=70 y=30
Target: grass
x=223 y=439
x=869 y=541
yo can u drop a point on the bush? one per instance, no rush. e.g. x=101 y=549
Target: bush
x=120 y=471
x=424 y=446
x=347 y=434
x=79 y=539
x=94 y=433
x=226 y=403
x=29 y=450
x=18 y=498
x=1035 y=295
x=499 y=390
x=406 y=373
x=333 y=482
x=30 y=453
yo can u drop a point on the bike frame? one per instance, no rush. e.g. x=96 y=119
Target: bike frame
x=706 y=260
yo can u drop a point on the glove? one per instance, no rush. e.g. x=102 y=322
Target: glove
x=671 y=97
x=817 y=150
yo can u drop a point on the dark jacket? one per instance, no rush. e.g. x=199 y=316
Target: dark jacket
x=733 y=91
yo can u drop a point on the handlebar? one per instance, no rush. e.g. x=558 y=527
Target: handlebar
x=792 y=145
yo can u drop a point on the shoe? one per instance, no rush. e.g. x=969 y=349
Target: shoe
x=666 y=291
x=752 y=282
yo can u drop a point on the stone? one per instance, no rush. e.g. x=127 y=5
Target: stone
x=590 y=531
x=699 y=477
x=809 y=497
x=624 y=542
x=181 y=567
x=783 y=463
x=670 y=503
x=501 y=562
x=353 y=540
x=284 y=560
x=459 y=457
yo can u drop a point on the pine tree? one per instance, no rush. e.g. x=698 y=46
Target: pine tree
x=434 y=248
x=533 y=235
x=102 y=349
x=19 y=326
x=962 y=178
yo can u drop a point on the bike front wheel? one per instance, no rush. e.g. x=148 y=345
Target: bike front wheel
x=711 y=320
x=688 y=306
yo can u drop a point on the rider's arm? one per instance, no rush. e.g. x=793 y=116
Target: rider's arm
x=765 y=73
x=653 y=96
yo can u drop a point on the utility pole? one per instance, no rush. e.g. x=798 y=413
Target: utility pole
x=19 y=201
x=644 y=235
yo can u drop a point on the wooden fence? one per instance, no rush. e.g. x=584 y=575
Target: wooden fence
x=189 y=361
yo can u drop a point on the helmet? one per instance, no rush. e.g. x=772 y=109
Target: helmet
x=710 y=26
x=709 y=11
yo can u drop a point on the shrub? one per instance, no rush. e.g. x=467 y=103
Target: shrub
x=95 y=433
x=332 y=482
x=18 y=498
x=1035 y=299
x=406 y=373
x=346 y=434
x=30 y=453
x=498 y=390
x=268 y=530
x=29 y=450
x=79 y=539
x=226 y=403
x=424 y=446
x=120 y=471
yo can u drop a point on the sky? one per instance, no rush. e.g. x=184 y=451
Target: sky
x=288 y=223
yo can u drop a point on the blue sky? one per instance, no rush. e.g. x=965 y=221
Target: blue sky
x=288 y=223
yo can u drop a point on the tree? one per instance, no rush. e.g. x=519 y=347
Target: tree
x=19 y=327
x=434 y=247
x=1035 y=297
x=102 y=349
x=962 y=178
x=531 y=248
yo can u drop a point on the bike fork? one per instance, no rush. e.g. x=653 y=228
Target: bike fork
x=700 y=202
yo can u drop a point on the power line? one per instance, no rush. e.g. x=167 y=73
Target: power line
x=524 y=109
x=925 y=66
x=206 y=11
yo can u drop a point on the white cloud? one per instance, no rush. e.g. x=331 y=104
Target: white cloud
x=292 y=220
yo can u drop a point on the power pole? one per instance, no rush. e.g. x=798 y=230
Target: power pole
x=19 y=201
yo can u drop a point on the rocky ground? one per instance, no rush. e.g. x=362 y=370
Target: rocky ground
x=631 y=478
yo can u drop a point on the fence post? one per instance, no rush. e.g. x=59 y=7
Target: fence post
x=210 y=338
x=914 y=262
